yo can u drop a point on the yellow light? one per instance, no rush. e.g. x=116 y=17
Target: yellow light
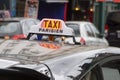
x=77 y=8
x=6 y=37
x=91 y=9
x=85 y=17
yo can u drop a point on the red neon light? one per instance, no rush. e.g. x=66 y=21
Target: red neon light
x=116 y=1
x=19 y=36
x=65 y=11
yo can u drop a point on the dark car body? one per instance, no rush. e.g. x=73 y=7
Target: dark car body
x=113 y=28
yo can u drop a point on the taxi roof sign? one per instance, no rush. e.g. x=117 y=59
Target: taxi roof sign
x=51 y=24
x=52 y=27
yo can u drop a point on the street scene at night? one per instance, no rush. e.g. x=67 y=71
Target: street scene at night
x=60 y=39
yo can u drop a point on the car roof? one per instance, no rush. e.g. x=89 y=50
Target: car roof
x=30 y=54
x=113 y=17
x=11 y=19
x=114 y=11
x=80 y=22
x=16 y=19
x=69 y=65
x=20 y=50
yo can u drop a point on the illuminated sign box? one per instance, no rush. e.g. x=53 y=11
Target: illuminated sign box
x=56 y=1
x=100 y=0
x=115 y=1
x=51 y=26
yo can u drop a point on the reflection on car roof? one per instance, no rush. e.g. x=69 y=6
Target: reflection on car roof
x=23 y=50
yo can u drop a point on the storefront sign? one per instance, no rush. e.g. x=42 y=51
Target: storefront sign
x=31 y=8
x=56 y=1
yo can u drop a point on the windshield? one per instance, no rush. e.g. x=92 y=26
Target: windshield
x=27 y=25
x=9 y=28
x=75 y=27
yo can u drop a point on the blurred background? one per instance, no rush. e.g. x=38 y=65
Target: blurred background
x=94 y=11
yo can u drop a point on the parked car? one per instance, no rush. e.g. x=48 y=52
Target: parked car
x=112 y=28
x=16 y=27
x=86 y=33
